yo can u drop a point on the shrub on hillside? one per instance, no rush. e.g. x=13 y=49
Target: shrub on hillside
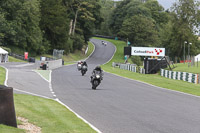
x=137 y=60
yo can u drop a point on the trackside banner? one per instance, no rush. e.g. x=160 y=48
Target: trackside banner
x=147 y=51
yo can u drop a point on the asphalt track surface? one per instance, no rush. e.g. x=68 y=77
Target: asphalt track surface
x=26 y=81
x=118 y=105
x=121 y=105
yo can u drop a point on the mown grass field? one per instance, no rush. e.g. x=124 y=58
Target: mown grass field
x=181 y=67
x=154 y=79
x=48 y=114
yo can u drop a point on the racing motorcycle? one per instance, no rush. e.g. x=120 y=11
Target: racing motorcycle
x=83 y=70
x=96 y=80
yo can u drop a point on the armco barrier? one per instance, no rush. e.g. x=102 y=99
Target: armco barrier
x=130 y=67
x=189 y=77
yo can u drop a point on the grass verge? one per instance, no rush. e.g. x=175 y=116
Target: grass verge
x=73 y=57
x=12 y=59
x=48 y=114
x=181 y=67
x=153 y=79
x=78 y=55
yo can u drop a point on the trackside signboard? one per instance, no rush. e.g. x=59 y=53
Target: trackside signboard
x=147 y=51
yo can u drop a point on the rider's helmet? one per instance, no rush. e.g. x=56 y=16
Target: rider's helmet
x=98 y=68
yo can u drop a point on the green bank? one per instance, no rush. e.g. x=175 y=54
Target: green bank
x=154 y=79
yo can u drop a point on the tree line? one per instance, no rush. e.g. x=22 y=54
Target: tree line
x=39 y=26
x=147 y=23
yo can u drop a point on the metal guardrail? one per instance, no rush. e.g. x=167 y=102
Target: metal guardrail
x=185 y=76
x=129 y=67
x=30 y=59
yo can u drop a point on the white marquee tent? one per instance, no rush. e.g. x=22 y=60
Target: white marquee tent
x=197 y=58
x=3 y=55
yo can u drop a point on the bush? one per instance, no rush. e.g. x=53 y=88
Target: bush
x=137 y=60
x=78 y=42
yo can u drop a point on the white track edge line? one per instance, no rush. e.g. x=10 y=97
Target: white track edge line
x=92 y=51
x=32 y=93
x=84 y=120
x=155 y=86
x=93 y=127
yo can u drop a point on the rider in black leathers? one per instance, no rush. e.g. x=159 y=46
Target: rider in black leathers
x=84 y=64
x=97 y=69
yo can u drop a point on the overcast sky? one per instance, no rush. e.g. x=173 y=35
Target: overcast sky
x=166 y=3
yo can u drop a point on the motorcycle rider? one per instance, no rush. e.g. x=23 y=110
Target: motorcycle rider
x=97 y=70
x=102 y=42
x=79 y=65
x=84 y=64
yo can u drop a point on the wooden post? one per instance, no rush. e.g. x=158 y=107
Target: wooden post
x=7 y=109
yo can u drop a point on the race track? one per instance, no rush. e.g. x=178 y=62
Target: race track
x=121 y=105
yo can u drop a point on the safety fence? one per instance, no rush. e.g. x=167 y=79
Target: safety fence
x=185 y=76
x=22 y=57
x=129 y=67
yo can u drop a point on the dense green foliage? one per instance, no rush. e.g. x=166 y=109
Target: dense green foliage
x=147 y=23
x=39 y=26
x=107 y=7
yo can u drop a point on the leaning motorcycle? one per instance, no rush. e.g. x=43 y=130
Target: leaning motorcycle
x=83 y=70
x=96 y=80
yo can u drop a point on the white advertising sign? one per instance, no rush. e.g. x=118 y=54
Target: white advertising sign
x=147 y=51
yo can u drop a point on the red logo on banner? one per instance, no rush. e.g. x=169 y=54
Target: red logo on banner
x=158 y=51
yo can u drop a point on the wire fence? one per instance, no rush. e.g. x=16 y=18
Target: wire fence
x=57 y=54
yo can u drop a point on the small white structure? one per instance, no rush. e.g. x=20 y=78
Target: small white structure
x=3 y=55
x=197 y=58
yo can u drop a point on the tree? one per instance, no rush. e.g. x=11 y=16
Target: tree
x=118 y=15
x=55 y=24
x=21 y=25
x=140 y=31
x=85 y=16
x=185 y=20
x=157 y=12
x=2 y=26
x=107 y=7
